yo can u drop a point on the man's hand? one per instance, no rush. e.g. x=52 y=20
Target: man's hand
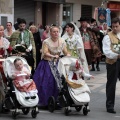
x=27 y=50
x=118 y=56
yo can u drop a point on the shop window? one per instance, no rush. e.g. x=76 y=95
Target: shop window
x=86 y=11
x=67 y=14
x=3 y=20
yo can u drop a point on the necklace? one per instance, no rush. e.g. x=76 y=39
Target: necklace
x=70 y=35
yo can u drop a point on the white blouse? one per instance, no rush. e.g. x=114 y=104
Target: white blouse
x=73 y=42
x=107 y=48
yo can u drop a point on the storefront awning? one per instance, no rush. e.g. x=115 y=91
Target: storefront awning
x=52 y=1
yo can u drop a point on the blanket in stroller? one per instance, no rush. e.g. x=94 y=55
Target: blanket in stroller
x=78 y=89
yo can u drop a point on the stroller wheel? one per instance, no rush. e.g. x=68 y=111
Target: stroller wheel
x=51 y=104
x=25 y=110
x=34 y=114
x=14 y=114
x=85 y=111
x=78 y=108
x=66 y=111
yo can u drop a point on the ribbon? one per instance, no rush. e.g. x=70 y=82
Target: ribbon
x=108 y=17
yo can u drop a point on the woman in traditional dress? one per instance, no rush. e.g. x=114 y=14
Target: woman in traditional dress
x=8 y=31
x=74 y=43
x=4 y=50
x=46 y=75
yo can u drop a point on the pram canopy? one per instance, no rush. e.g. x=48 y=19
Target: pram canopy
x=64 y=64
x=8 y=65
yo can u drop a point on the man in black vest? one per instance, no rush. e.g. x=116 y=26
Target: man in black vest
x=111 y=43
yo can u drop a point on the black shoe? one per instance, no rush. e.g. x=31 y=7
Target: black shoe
x=98 y=69
x=93 y=69
x=111 y=111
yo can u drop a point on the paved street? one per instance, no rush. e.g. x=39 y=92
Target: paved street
x=97 y=104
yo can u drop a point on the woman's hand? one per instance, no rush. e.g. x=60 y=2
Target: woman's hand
x=56 y=56
x=92 y=77
x=1 y=56
x=68 y=55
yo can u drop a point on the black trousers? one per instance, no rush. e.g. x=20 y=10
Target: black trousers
x=113 y=72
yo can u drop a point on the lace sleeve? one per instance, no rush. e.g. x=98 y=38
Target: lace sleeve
x=65 y=51
x=45 y=48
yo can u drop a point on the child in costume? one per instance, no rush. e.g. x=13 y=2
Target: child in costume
x=76 y=84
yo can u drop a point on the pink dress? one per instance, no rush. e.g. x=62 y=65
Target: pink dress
x=22 y=82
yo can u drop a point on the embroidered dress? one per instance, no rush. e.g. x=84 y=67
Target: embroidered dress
x=4 y=50
x=74 y=43
x=6 y=35
x=46 y=76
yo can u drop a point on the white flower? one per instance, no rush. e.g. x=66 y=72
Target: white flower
x=118 y=45
x=117 y=49
x=114 y=46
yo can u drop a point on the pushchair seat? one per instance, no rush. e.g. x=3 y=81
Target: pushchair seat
x=79 y=96
x=20 y=95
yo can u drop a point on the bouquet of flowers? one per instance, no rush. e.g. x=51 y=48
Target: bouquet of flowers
x=116 y=47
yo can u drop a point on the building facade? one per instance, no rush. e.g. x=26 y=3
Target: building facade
x=60 y=12
x=47 y=12
x=6 y=11
x=114 y=6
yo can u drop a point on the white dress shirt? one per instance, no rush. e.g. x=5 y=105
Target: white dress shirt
x=107 y=48
x=30 y=46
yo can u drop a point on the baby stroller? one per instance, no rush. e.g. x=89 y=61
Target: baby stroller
x=15 y=99
x=66 y=96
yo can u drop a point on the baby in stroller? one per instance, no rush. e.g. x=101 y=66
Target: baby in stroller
x=77 y=86
x=22 y=92
x=75 y=91
x=22 y=81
